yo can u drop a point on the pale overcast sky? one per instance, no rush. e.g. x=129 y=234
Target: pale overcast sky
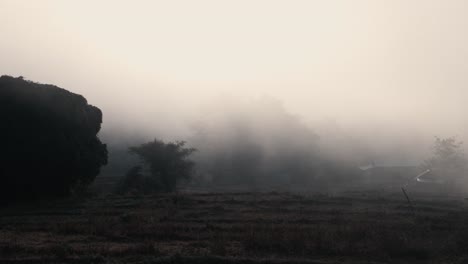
x=394 y=63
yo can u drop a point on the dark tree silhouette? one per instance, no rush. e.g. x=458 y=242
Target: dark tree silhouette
x=167 y=162
x=49 y=143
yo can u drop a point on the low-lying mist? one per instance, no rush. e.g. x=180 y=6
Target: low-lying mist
x=257 y=142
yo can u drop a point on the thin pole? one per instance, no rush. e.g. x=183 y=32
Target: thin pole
x=408 y=199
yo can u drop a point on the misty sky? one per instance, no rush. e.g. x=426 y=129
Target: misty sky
x=366 y=65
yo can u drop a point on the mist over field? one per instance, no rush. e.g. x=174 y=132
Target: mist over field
x=246 y=131
x=362 y=82
x=380 y=78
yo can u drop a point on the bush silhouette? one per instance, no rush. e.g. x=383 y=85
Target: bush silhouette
x=49 y=143
x=167 y=163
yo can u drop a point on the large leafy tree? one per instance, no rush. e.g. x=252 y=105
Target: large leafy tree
x=49 y=143
x=167 y=162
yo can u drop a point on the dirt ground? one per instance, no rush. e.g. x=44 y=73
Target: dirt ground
x=272 y=227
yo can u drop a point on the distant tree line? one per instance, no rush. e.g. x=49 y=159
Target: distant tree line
x=259 y=144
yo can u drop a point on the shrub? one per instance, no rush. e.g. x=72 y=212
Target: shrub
x=167 y=164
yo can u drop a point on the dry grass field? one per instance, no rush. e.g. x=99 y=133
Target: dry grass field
x=269 y=227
